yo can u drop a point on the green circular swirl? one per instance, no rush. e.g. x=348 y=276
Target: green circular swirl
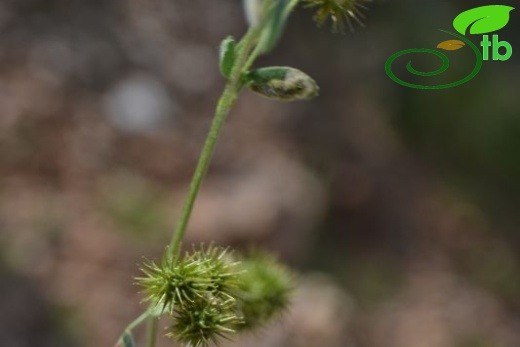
x=444 y=67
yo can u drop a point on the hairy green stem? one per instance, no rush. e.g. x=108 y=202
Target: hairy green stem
x=226 y=102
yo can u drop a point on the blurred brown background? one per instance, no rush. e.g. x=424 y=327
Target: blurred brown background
x=399 y=207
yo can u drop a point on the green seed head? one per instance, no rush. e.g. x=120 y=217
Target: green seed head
x=201 y=274
x=340 y=12
x=265 y=289
x=204 y=321
x=209 y=295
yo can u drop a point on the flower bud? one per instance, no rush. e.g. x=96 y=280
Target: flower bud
x=283 y=83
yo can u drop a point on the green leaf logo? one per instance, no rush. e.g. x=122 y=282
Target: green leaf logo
x=483 y=20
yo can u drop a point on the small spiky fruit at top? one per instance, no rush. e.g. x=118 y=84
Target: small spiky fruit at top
x=265 y=289
x=341 y=12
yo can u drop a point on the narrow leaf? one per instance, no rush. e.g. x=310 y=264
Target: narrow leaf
x=451 y=45
x=227 y=56
x=482 y=20
x=253 y=11
x=274 y=29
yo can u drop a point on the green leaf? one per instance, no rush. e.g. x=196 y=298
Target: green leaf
x=482 y=20
x=253 y=11
x=227 y=56
x=274 y=27
x=278 y=15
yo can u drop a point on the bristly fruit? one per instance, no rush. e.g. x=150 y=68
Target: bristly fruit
x=210 y=296
x=265 y=289
x=202 y=322
x=201 y=275
x=281 y=82
x=340 y=12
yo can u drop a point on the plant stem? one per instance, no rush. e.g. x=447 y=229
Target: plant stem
x=246 y=54
x=151 y=331
x=137 y=321
x=224 y=106
x=225 y=103
x=133 y=324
